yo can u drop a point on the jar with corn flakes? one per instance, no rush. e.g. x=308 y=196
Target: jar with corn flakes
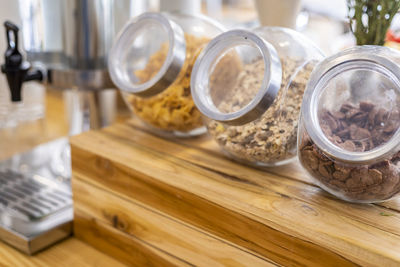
x=151 y=62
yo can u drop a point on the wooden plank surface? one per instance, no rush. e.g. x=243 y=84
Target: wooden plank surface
x=71 y=252
x=282 y=217
x=153 y=235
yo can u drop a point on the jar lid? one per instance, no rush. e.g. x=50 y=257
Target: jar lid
x=351 y=106
x=236 y=78
x=147 y=55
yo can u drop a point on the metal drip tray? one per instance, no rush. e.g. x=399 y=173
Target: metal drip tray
x=27 y=201
x=36 y=199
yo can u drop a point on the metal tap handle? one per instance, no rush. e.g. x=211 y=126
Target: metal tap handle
x=12 y=55
x=15 y=68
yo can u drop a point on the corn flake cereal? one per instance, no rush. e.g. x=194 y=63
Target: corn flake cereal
x=173 y=109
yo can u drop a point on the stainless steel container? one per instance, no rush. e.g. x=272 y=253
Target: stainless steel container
x=67 y=44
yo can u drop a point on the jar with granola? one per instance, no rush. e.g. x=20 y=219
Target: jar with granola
x=349 y=137
x=249 y=86
x=151 y=61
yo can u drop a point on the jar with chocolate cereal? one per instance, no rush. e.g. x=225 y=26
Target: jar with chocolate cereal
x=249 y=86
x=349 y=133
x=151 y=61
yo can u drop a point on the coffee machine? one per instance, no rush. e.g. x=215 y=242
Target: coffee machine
x=66 y=44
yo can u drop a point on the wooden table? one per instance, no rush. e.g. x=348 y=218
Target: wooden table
x=70 y=252
x=183 y=202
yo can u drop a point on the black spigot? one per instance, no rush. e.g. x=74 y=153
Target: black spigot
x=15 y=68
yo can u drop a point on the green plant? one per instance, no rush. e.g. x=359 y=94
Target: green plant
x=370 y=19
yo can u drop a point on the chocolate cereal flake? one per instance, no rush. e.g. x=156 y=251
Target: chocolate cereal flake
x=355 y=128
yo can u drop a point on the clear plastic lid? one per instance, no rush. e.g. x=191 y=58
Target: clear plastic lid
x=351 y=107
x=151 y=36
x=236 y=77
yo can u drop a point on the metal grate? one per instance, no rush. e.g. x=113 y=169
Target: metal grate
x=31 y=197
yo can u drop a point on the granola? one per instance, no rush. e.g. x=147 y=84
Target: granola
x=272 y=137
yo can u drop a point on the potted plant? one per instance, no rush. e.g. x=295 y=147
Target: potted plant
x=370 y=19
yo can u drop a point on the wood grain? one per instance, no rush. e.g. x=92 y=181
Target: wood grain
x=287 y=220
x=212 y=159
x=71 y=252
x=265 y=240
x=292 y=170
x=209 y=147
x=119 y=245
x=139 y=223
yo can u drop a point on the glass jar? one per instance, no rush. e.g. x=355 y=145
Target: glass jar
x=151 y=61
x=249 y=86
x=349 y=137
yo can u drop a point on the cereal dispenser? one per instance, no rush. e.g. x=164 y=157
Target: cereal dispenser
x=151 y=62
x=349 y=136
x=249 y=86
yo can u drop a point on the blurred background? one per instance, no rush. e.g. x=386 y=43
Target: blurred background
x=46 y=30
x=324 y=21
